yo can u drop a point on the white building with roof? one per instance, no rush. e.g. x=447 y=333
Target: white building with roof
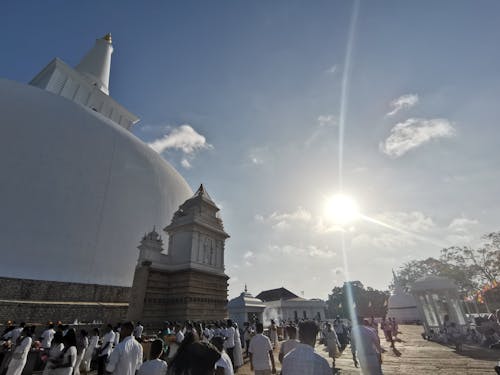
x=283 y=305
x=246 y=308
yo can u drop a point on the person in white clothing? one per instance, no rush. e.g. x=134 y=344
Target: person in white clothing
x=14 y=334
x=106 y=349
x=332 y=343
x=55 y=351
x=117 y=331
x=290 y=344
x=303 y=360
x=20 y=354
x=273 y=333
x=248 y=333
x=238 y=351
x=82 y=343
x=127 y=356
x=138 y=331
x=368 y=348
x=229 y=333
x=89 y=352
x=223 y=366
x=261 y=353
x=67 y=360
x=155 y=366
x=47 y=336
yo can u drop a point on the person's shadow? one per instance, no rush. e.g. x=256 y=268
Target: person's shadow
x=396 y=352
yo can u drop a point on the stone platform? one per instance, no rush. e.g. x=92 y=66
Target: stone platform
x=414 y=355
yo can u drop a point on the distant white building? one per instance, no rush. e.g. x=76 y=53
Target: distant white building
x=283 y=305
x=402 y=305
x=245 y=308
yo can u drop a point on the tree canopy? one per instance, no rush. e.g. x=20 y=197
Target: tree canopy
x=470 y=268
x=365 y=300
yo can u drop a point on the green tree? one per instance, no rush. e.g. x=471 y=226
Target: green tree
x=366 y=300
x=470 y=268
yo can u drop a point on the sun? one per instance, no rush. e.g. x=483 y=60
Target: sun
x=341 y=209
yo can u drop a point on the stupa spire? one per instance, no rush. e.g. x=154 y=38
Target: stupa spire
x=96 y=64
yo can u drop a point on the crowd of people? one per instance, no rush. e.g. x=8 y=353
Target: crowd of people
x=196 y=348
x=484 y=332
x=188 y=348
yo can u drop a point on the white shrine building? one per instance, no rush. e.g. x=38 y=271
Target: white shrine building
x=283 y=305
x=401 y=305
x=246 y=308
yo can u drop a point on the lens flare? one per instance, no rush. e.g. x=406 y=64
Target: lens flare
x=341 y=209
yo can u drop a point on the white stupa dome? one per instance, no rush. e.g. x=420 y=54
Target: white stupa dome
x=78 y=190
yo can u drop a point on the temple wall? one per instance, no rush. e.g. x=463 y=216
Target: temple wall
x=39 y=301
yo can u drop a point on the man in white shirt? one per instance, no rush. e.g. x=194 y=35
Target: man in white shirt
x=105 y=349
x=261 y=353
x=14 y=334
x=248 y=333
x=368 y=348
x=139 y=328
x=127 y=356
x=155 y=366
x=47 y=336
x=224 y=365
x=290 y=344
x=303 y=360
x=229 y=334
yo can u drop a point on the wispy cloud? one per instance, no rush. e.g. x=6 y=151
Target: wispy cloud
x=323 y=122
x=283 y=220
x=183 y=138
x=331 y=70
x=185 y=163
x=258 y=155
x=414 y=132
x=312 y=251
x=403 y=102
x=460 y=230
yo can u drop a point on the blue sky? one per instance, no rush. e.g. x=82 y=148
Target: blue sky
x=259 y=83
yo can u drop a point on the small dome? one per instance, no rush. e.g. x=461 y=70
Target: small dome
x=78 y=191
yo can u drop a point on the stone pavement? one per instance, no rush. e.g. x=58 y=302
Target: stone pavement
x=413 y=355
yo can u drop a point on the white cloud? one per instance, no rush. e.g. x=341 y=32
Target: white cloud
x=311 y=251
x=414 y=132
x=331 y=70
x=462 y=223
x=460 y=231
x=248 y=255
x=183 y=138
x=323 y=122
x=414 y=221
x=185 y=163
x=258 y=155
x=299 y=214
x=283 y=220
x=326 y=120
x=403 y=102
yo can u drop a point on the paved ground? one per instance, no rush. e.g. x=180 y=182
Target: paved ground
x=417 y=356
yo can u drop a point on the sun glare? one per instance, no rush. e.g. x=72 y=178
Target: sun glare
x=341 y=209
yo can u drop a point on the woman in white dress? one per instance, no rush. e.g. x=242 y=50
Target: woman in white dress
x=273 y=333
x=82 y=344
x=89 y=353
x=238 y=352
x=55 y=351
x=67 y=359
x=20 y=354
